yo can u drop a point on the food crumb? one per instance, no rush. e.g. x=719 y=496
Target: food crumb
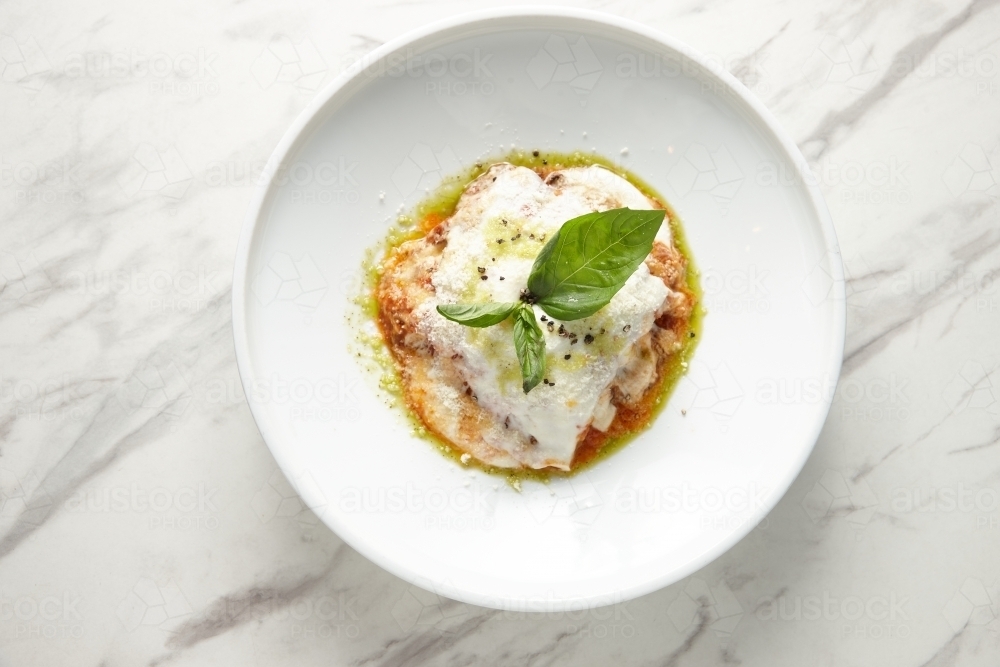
x=466 y=458
x=567 y=356
x=683 y=412
x=588 y=339
x=535 y=153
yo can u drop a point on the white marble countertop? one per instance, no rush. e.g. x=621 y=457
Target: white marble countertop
x=142 y=518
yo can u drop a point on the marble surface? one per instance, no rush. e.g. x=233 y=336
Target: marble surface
x=142 y=518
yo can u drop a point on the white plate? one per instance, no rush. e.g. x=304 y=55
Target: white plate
x=679 y=495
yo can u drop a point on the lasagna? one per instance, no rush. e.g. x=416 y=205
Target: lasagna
x=465 y=383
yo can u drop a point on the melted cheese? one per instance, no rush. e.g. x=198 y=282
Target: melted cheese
x=498 y=228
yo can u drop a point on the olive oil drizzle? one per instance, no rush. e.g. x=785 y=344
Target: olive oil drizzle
x=373 y=353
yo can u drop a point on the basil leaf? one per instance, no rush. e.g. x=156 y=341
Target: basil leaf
x=530 y=347
x=589 y=259
x=478 y=314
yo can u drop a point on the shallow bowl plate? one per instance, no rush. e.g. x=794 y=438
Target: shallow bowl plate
x=739 y=425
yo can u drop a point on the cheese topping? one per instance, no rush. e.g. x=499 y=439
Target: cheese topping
x=497 y=230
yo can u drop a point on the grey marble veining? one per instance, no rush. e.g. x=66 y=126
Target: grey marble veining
x=142 y=518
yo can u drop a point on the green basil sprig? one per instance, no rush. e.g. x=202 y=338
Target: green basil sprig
x=477 y=315
x=576 y=274
x=530 y=347
x=589 y=259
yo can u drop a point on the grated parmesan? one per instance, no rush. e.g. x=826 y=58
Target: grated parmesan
x=496 y=232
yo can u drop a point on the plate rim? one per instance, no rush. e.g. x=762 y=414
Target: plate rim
x=297 y=130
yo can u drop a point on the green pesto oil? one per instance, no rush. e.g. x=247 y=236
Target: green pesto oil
x=373 y=353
